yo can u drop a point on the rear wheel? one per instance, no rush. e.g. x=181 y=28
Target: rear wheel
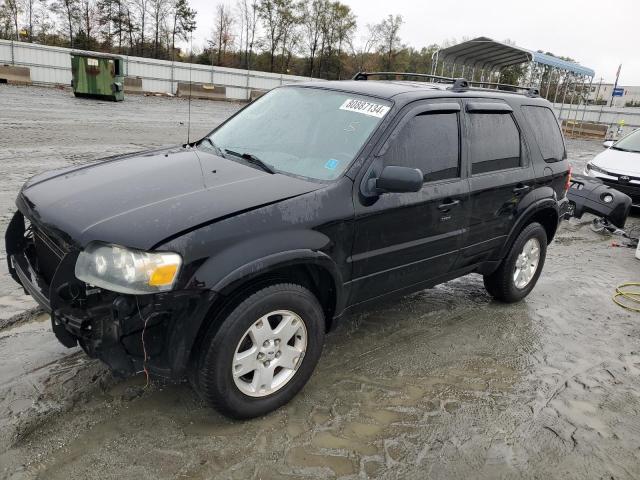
x=263 y=353
x=519 y=271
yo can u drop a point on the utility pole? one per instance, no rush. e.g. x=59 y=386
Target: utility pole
x=615 y=85
x=597 y=97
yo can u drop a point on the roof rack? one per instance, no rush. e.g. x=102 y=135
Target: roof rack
x=458 y=84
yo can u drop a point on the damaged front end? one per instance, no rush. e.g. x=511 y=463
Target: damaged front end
x=127 y=332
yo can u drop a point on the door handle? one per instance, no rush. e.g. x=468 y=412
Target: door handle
x=518 y=189
x=448 y=204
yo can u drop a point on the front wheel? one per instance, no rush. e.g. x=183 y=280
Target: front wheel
x=519 y=271
x=263 y=353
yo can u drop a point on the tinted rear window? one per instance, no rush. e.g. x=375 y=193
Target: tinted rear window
x=495 y=142
x=546 y=131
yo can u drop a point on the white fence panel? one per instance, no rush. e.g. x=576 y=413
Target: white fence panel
x=5 y=53
x=52 y=66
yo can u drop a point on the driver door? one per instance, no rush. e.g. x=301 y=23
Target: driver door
x=403 y=240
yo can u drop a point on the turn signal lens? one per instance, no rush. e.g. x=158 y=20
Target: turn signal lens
x=163 y=275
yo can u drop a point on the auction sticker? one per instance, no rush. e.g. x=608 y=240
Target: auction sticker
x=366 y=108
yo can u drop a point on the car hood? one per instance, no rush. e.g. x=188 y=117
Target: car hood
x=139 y=200
x=619 y=162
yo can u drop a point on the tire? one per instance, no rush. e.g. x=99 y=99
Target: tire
x=502 y=284
x=222 y=387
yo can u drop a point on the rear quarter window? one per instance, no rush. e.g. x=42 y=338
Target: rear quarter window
x=546 y=132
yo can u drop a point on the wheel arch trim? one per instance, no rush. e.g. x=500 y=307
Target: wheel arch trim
x=546 y=204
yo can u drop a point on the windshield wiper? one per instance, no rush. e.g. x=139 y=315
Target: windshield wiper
x=252 y=159
x=215 y=147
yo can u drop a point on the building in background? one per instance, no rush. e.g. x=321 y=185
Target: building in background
x=601 y=95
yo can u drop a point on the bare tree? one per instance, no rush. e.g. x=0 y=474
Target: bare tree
x=13 y=12
x=275 y=16
x=313 y=13
x=183 y=22
x=249 y=13
x=30 y=7
x=222 y=36
x=6 y=22
x=158 y=10
x=345 y=28
x=88 y=20
x=69 y=11
x=129 y=25
x=368 y=43
x=390 y=41
x=143 y=10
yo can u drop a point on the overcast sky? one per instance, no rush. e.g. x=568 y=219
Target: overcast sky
x=599 y=35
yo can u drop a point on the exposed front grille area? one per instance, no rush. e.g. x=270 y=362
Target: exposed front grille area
x=48 y=254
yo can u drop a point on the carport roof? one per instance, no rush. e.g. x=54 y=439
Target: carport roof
x=484 y=52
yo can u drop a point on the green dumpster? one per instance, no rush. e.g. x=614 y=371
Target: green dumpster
x=97 y=75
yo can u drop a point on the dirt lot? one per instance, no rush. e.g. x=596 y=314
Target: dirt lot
x=444 y=383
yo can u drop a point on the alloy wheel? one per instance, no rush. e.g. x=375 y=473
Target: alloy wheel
x=269 y=353
x=527 y=263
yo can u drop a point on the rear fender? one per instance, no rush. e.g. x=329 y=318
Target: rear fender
x=525 y=218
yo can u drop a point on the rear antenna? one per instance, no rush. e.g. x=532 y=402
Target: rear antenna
x=189 y=101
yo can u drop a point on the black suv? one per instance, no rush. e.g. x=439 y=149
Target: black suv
x=229 y=258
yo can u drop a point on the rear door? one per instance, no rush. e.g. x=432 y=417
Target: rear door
x=500 y=176
x=402 y=239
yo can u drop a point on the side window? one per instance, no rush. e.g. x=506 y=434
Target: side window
x=428 y=142
x=495 y=142
x=546 y=132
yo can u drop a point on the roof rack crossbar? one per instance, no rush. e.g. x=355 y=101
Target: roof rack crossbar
x=366 y=75
x=459 y=84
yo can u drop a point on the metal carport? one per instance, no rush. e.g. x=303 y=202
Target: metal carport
x=482 y=59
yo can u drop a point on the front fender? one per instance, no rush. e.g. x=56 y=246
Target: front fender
x=255 y=254
x=231 y=267
x=275 y=261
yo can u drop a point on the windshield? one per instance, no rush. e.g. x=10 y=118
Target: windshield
x=308 y=132
x=630 y=143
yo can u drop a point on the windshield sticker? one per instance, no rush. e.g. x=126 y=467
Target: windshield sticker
x=331 y=164
x=366 y=108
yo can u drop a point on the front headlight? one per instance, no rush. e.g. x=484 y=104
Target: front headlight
x=593 y=168
x=127 y=271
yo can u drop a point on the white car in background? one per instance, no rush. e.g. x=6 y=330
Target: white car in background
x=619 y=165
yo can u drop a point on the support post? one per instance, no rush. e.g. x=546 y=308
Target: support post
x=531 y=74
x=546 y=95
x=172 y=78
x=573 y=127
x=564 y=95
x=586 y=102
x=555 y=95
x=573 y=94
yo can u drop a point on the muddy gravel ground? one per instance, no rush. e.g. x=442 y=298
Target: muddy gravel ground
x=444 y=383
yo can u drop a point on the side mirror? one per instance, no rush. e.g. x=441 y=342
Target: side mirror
x=608 y=143
x=399 y=180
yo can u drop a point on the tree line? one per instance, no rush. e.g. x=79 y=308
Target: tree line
x=316 y=38
x=149 y=28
